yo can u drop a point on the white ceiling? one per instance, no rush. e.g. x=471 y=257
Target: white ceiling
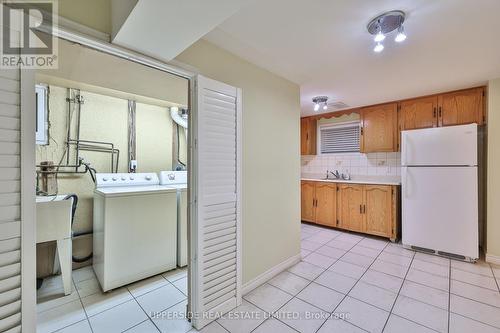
x=165 y=28
x=323 y=45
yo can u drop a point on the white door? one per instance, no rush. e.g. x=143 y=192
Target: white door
x=17 y=200
x=215 y=272
x=452 y=145
x=440 y=209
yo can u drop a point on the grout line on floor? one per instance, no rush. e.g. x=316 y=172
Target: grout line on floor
x=494 y=277
x=359 y=279
x=474 y=319
x=131 y=327
x=148 y=318
x=345 y=295
x=83 y=307
x=397 y=295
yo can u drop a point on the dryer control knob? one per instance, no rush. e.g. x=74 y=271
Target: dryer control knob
x=105 y=179
x=131 y=178
x=115 y=179
x=148 y=177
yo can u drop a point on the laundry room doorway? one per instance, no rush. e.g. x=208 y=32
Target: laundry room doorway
x=113 y=160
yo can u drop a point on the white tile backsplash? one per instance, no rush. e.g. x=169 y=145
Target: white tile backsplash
x=357 y=164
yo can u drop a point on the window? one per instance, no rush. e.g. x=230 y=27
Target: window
x=42 y=135
x=339 y=138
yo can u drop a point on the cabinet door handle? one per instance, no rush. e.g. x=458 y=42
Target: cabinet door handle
x=361 y=209
x=440 y=111
x=434 y=114
x=364 y=209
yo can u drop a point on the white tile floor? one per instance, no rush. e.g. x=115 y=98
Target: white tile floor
x=350 y=283
x=345 y=283
x=131 y=308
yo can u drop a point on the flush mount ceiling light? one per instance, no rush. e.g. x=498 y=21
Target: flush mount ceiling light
x=384 y=24
x=319 y=101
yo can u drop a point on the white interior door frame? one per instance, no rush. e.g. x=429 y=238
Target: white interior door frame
x=29 y=303
x=212 y=292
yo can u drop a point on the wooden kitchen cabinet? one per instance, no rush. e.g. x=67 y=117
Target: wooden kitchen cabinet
x=319 y=202
x=308 y=201
x=308 y=136
x=370 y=209
x=379 y=211
x=379 y=128
x=418 y=113
x=326 y=204
x=351 y=207
x=461 y=107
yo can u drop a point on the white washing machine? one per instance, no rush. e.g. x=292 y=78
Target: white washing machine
x=178 y=180
x=135 y=228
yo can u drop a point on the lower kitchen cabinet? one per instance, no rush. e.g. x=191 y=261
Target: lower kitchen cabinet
x=379 y=210
x=351 y=207
x=319 y=202
x=308 y=201
x=326 y=204
x=370 y=209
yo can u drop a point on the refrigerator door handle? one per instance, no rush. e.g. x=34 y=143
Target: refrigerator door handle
x=405 y=180
x=406 y=148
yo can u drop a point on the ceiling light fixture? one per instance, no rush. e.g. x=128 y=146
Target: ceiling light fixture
x=378 y=48
x=384 y=24
x=401 y=36
x=379 y=37
x=320 y=100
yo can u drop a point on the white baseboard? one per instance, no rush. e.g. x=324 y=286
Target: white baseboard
x=492 y=259
x=270 y=273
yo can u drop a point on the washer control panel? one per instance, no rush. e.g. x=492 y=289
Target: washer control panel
x=173 y=177
x=126 y=179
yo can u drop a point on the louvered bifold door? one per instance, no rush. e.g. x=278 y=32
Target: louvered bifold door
x=216 y=275
x=10 y=201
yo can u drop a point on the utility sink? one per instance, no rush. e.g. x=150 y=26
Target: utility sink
x=53 y=223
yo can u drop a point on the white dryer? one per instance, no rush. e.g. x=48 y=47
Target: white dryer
x=178 y=180
x=135 y=228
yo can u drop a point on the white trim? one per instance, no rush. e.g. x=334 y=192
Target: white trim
x=121 y=52
x=270 y=273
x=492 y=259
x=72 y=25
x=239 y=200
x=28 y=210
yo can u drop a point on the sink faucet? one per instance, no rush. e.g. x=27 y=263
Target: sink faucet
x=336 y=174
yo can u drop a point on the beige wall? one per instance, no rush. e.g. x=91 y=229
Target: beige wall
x=271 y=158
x=88 y=67
x=95 y=14
x=493 y=173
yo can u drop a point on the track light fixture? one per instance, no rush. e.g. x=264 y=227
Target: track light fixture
x=384 y=24
x=319 y=101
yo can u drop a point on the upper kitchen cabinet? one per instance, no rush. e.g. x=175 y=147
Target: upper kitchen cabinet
x=307 y=136
x=461 y=107
x=418 y=113
x=379 y=128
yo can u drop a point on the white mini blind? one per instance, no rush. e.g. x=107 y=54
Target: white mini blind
x=217 y=269
x=341 y=138
x=10 y=201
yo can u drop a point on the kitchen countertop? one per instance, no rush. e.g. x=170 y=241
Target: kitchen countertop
x=374 y=180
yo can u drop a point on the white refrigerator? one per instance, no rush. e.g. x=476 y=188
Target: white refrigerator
x=440 y=190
